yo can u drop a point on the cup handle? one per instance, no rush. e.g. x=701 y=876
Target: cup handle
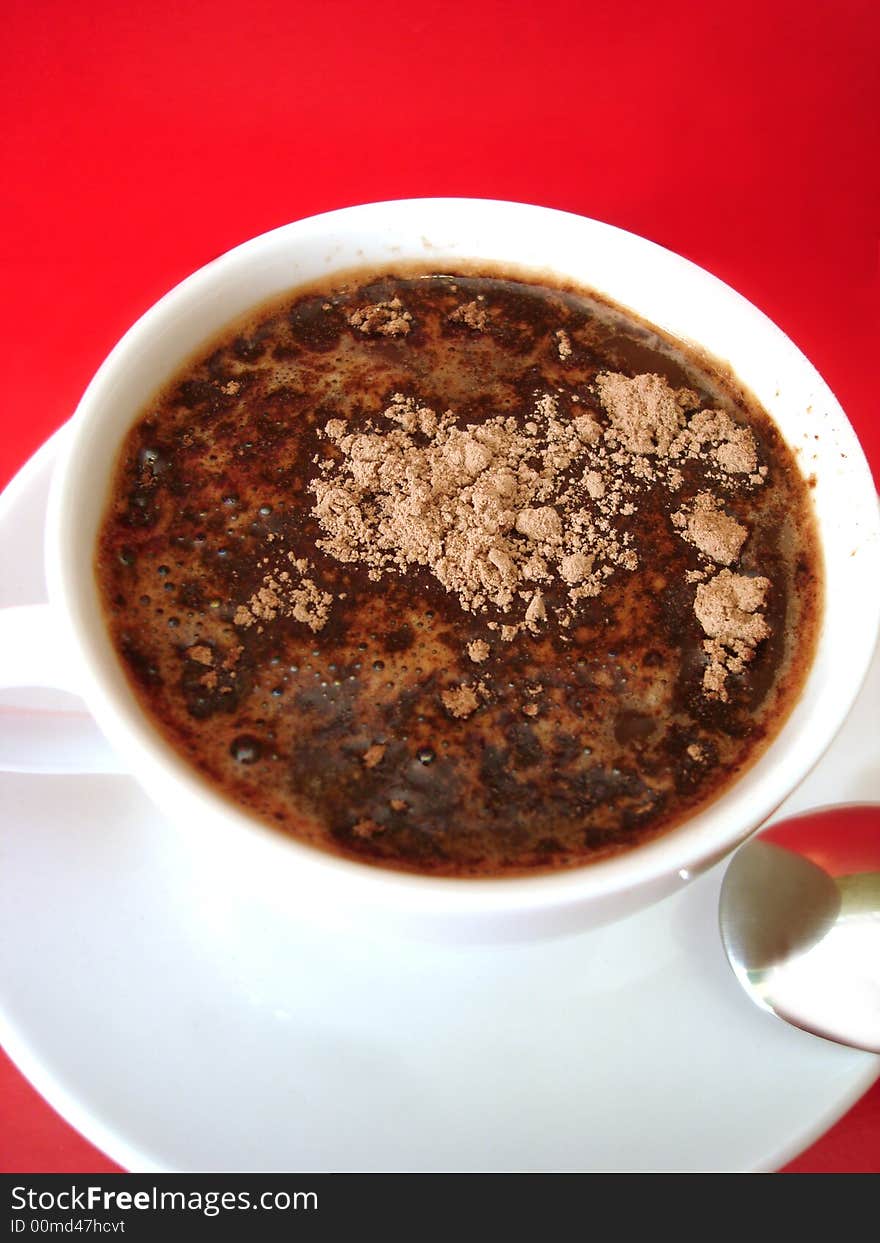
x=34 y=736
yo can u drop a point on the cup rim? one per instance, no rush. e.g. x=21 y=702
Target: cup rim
x=686 y=848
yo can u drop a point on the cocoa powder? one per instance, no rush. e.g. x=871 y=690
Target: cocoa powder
x=500 y=510
x=727 y=607
x=387 y=319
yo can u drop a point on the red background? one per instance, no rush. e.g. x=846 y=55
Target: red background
x=139 y=141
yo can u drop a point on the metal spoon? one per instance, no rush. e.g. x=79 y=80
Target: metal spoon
x=800 y=922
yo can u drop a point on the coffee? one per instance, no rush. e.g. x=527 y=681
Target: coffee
x=460 y=574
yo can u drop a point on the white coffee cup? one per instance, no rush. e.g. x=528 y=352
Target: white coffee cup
x=66 y=643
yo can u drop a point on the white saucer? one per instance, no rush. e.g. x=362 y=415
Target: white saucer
x=180 y=1029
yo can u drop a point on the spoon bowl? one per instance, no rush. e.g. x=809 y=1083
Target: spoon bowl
x=800 y=922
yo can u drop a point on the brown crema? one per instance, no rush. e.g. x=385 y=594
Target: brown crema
x=460 y=574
